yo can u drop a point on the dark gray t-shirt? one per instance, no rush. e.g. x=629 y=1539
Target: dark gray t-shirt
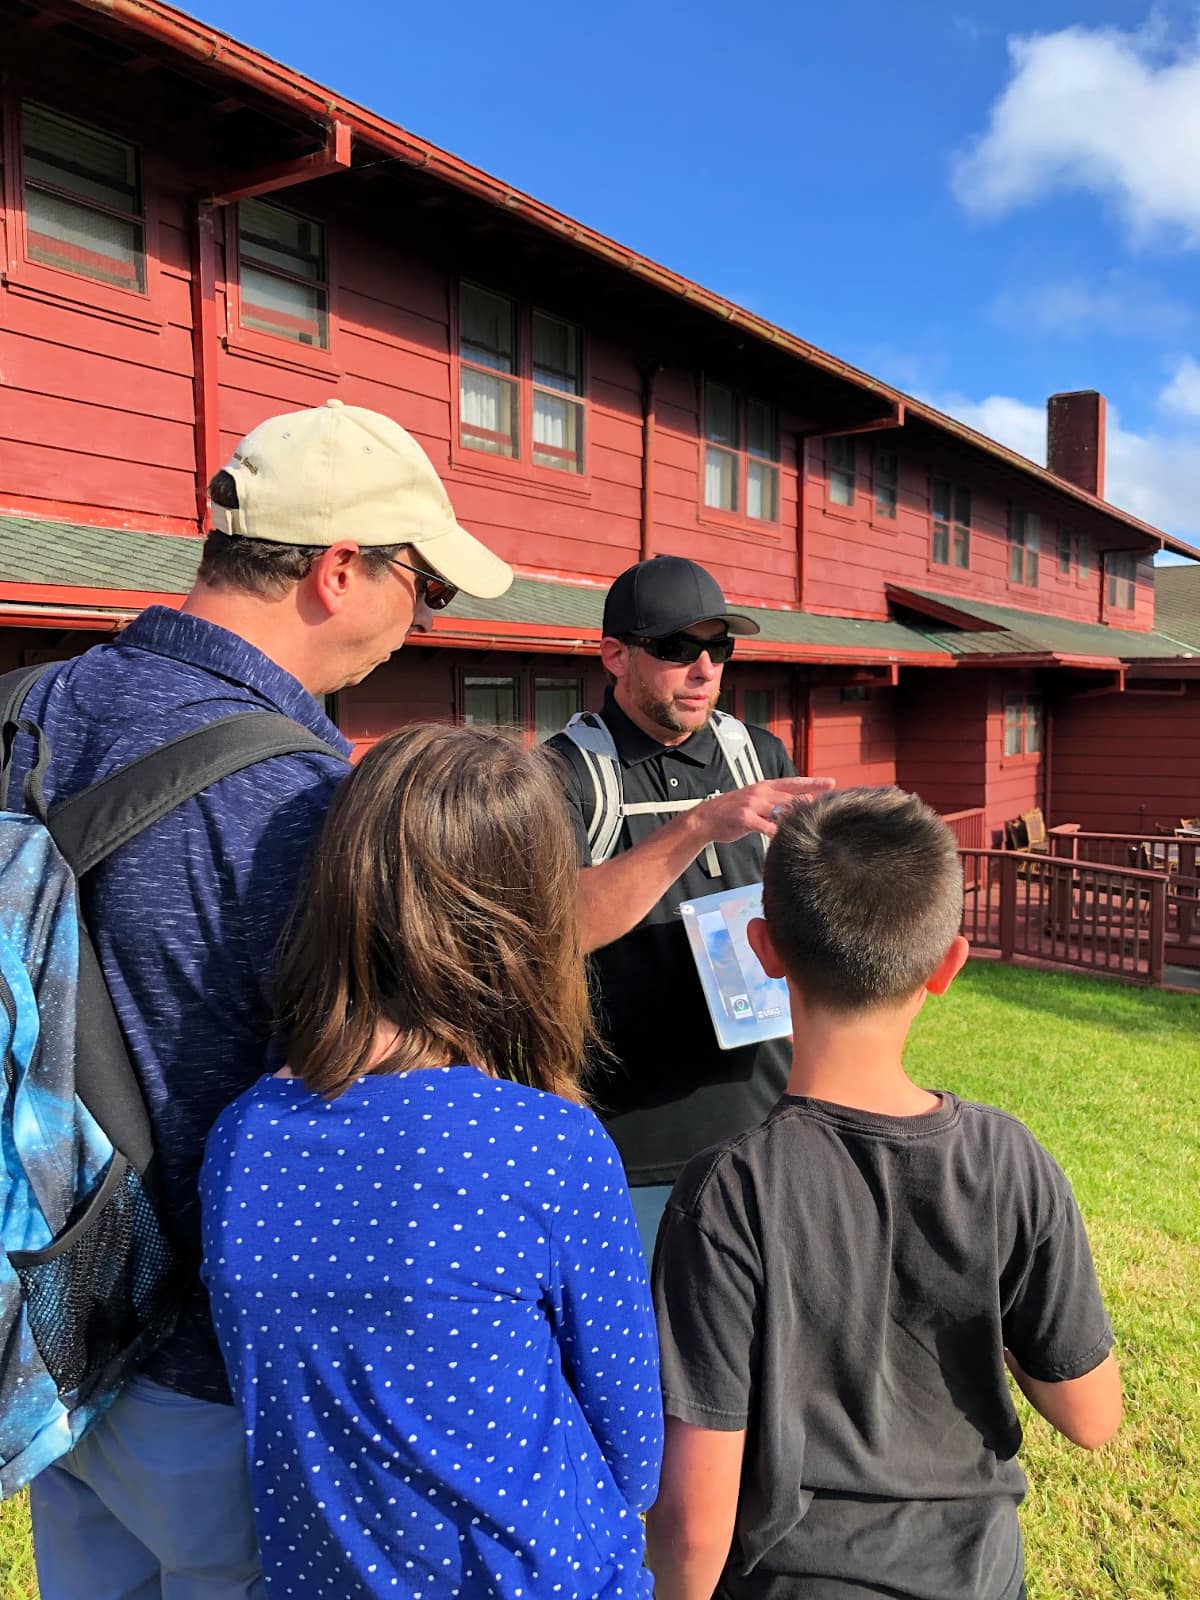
x=842 y=1285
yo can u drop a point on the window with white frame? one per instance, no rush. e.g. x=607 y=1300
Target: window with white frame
x=886 y=466
x=83 y=200
x=950 y=524
x=741 y=454
x=1024 y=540
x=1022 y=724
x=283 y=281
x=842 y=462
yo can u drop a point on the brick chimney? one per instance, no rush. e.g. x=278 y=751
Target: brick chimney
x=1075 y=439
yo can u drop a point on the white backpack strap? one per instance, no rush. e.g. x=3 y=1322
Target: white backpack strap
x=590 y=735
x=736 y=745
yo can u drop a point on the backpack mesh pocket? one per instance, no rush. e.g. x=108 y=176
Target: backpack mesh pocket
x=107 y=1288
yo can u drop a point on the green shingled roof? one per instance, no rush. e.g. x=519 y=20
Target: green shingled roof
x=576 y=606
x=69 y=555
x=1177 y=603
x=73 y=556
x=1013 y=632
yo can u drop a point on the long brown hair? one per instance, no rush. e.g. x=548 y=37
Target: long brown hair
x=441 y=903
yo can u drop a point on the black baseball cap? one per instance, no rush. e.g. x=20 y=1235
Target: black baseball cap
x=665 y=595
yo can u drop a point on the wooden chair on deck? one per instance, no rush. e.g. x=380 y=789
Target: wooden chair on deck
x=1027 y=836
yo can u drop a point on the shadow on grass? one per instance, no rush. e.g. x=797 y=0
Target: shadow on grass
x=1093 y=1002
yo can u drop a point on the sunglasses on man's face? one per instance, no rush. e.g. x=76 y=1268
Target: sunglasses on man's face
x=434 y=591
x=684 y=648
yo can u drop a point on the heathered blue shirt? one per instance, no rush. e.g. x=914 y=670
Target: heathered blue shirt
x=186 y=918
x=433 y=1304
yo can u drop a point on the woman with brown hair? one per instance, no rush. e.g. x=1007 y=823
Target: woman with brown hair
x=423 y=1264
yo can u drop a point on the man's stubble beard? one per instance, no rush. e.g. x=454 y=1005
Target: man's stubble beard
x=661 y=712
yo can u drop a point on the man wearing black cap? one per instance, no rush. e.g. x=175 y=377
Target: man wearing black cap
x=638 y=772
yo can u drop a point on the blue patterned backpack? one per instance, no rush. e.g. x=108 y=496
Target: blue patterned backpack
x=90 y=1280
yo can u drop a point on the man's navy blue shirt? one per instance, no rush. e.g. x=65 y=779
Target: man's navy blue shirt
x=186 y=918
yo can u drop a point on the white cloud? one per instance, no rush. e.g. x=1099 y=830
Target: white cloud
x=1115 y=114
x=1153 y=475
x=1072 y=306
x=1182 y=395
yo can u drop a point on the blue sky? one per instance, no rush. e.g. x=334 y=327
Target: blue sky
x=982 y=209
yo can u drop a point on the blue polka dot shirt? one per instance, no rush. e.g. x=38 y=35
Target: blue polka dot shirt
x=433 y=1305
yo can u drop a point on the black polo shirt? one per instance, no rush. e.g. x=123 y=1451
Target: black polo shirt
x=668 y=1090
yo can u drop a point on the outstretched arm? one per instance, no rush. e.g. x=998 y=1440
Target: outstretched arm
x=617 y=894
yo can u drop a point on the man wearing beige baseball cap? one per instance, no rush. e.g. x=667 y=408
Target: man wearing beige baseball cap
x=332 y=539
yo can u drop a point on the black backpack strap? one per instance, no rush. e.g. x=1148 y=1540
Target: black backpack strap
x=91 y=825
x=14 y=687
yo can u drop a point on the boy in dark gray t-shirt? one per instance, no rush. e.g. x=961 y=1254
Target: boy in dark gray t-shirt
x=839 y=1289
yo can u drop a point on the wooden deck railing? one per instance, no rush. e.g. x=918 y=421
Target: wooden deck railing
x=1176 y=859
x=968 y=827
x=1067 y=912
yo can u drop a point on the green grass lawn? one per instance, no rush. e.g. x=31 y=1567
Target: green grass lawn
x=1108 y=1077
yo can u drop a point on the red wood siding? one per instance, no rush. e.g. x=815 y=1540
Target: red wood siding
x=854 y=741
x=942 y=739
x=1127 y=763
x=851 y=553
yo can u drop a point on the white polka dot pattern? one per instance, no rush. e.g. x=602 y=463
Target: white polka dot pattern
x=432 y=1301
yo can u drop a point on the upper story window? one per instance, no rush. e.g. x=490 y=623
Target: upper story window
x=83 y=200
x=491 y=336
x=843 y=470
x=950 y=521
x=1074 y=552
x=887 y=483
x=557 y=387
x=1024 y=540
x=1121 y=567
x=741 y=454
x=1022 y=724
x=282 y=274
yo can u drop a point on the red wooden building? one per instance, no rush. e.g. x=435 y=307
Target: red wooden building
x=195 y=238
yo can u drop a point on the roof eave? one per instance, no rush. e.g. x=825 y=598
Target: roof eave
x=218 y=51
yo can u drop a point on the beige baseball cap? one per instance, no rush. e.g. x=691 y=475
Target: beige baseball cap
x=341 y=472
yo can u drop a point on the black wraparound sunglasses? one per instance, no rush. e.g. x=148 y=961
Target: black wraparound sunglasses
x=684 y=648
x=434 y=591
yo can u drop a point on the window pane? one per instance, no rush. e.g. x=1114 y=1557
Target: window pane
x=488 y=409
x=962 y=507
x=92 y=243
x=1032 y=530
x=1083 y=554
x=887 y=478
x=940 y=499
x=1031 y=568
x=555 y=354
x=1064 y=551
x=555 y=701
x=278 y=305
x=273 y=238
x=962 y=545
x=762 y=491
x=489 y=701
x=720 y=478
x=762 y=433
x=756 y=707
x=941 y=543
x=487 y=329
x=1033 y=726
x=557 y=432
x=843 y=469
x=720 y=416
x=1013 y=709
x=82 y=161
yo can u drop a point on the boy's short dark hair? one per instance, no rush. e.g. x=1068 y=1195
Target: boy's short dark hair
x=862 y=895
